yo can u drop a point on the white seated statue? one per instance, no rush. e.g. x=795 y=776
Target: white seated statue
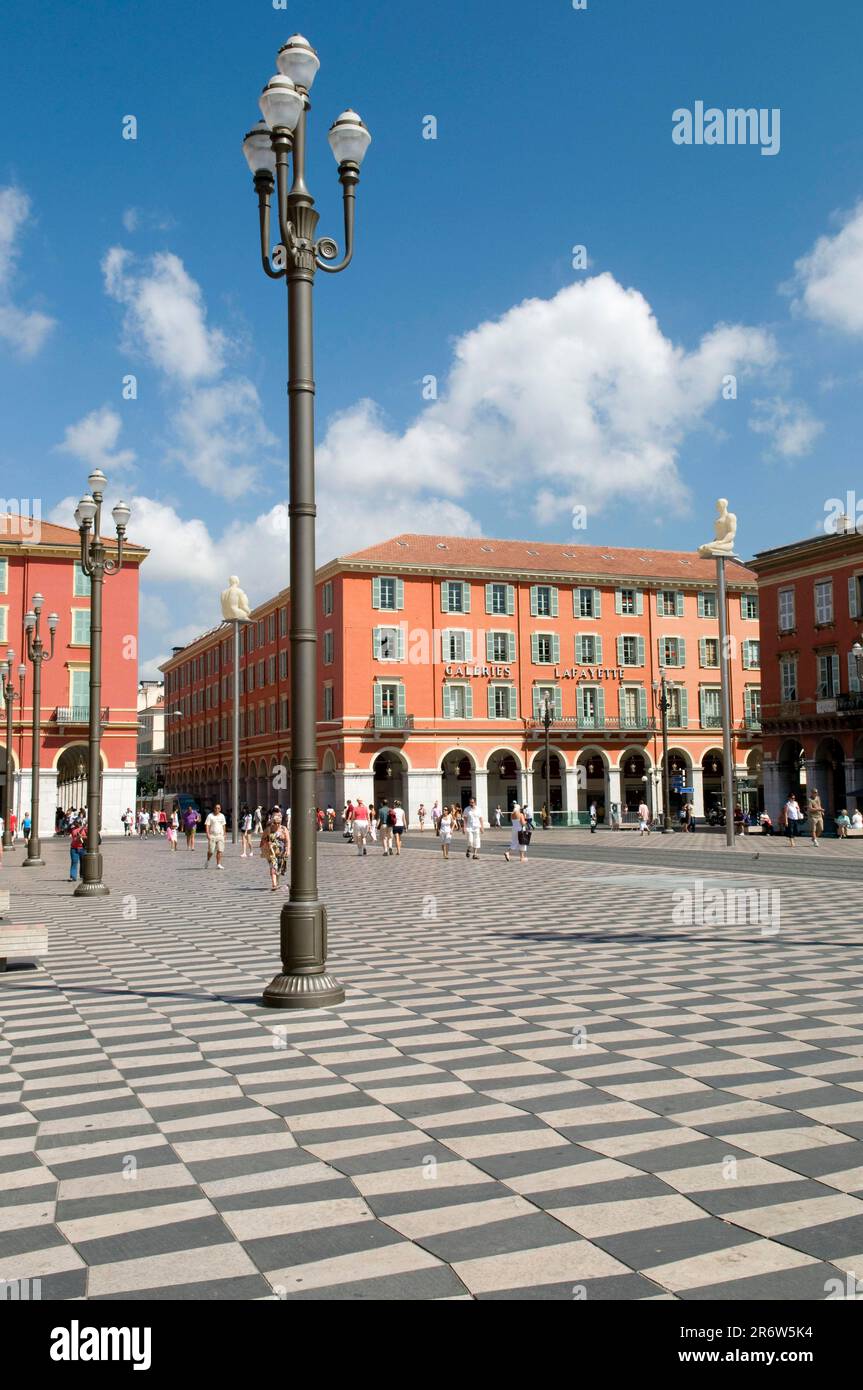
x=235 y=605
x=724 y=529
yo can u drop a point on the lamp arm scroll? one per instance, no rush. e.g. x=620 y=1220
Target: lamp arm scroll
x=326 y=249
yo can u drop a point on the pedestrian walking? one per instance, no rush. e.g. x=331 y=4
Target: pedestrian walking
x=274 y=848
x=214 y=827
x=246 y=832
x=26 y=826
x=360 y=826
x=258 y=821
x=528 y=818
x=815 y=807
x=373 y=823
x=436 y=815
x=444 y=828
x=688 y=818
x=473 y=826
x=398 y=821
x=643 y=819
x=128 y=819
x=519 y=834
x=171 y=829
x=791 y=817
x=77 y=845
x=331 y=818
x=593 y=817
x=544 y=817
x=421 y=815
x=385 y=828
x=190 y=825
x=497 y=817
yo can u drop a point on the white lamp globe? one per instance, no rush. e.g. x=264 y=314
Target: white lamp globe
x=349 y=139
x=258 y=150
x=281 y=103
x=297 y=60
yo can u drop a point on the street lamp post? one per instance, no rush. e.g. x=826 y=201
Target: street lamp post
x=10 y=695
x=36 y=655
x=546 y=715
x=274 y=142
x=663 y=704
x=96 y=563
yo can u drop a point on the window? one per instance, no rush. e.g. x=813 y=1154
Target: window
x=749 y=607
x=271 y=670
x=387 y=596
x=549 y=694
x=708 y=651
x=4 y=622
x=588 y=649
x=824 y=601
x=389 y=698
x=80 y=627
x=4 y=576
x=457 y=701
x=587 y=603
x=828 y=675
x=545 y=648
x=786 y=611
x=328 y=702
x=271 y=721
x=630 y=707
x=388 y=644
x=678 y=706
x=672 y=651
x=456 y=644
x=751 y=652
x=283 y=711
x=271 y=627
x=500 y=646
x=707 y=607
x=591 y=707
x=669 y=603
x=629 y=601
x=455 y=596
x=711 y=707
x=250 y=676
x=283 y=621
x=630 y=651
x=80 y=582
x=283 y=666
x=250 y=637
x=855 y=596
x=261 y=674
x=502 y=702
x=260 y=632
x=752 y=705
x=543 y=601
x=500 y=599
x=328 y=648
x=79 y=690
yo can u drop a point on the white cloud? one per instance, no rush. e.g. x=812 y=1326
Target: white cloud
x=131 y=219
x=829 y=278
x=221 y=436
x=790 y=426
x=165 y=318
x=93 y=439
x=579 y=398
x=24 y=330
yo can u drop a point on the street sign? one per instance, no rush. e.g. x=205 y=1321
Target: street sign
x=688 y=791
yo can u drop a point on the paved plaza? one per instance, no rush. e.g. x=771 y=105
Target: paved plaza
x=582 y=1077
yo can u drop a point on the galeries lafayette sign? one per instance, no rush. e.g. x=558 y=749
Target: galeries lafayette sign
x=578 y=673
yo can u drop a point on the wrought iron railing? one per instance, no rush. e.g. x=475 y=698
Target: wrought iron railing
x=76 y=714
x=392 y=721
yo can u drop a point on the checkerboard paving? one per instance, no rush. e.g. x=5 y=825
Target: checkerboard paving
x=539 y=1086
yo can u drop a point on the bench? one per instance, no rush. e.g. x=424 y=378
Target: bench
x=22 y=941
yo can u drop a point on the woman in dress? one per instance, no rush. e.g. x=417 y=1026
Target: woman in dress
x=274 y=848
x=517 y=841
x=171 y=828
x=246 y=832
x=445 y=825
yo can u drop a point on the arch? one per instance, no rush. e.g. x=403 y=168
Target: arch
x=458 y=777
x=72 y=765
x=679 y=775
x=828 y=775
x=553 y=792
x=390 y=780
x=712 y=779
x=393 y=752
x=593 y=766
x=505 y=779
x=78 y=743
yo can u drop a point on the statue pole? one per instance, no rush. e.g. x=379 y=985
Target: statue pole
x=235 y=767
x=725 y=697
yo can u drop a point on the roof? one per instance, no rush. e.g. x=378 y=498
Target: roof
x=27 y=531
x=452 y=552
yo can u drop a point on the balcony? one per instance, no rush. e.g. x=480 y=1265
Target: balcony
x=76 y=714
x=711 y=721
x=609 y=722
x=387 y=723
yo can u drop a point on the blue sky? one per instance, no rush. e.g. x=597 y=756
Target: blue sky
x=557 y=386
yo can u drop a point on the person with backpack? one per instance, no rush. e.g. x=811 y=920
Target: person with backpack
x=385 y=827
x=77 y=845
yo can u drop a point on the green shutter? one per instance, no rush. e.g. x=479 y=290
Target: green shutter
x=852 y=597
x=81 y=626
x=536 y=704
x=620 y=651
x=534 y=601
x=598 y=650
x=555 y=649
x=81 y=689
x=400 y=700
x=400 y=643
x=447 y=702
x=489 y=645
x=600 y=708
x=510 y=646
x=853 y=678
x=489 y=598
x=701 y=605
x=642 y=707
x=513 y=702
x=376 y=592
x=465 y=598
x=468 y=702
x=702 y=649
x=639 y=602
x=640 y=652
x=834 y=661
x=681 y=651
x=444 y=596
x=534 y=647
x=618 y=602
x=558 y=703
x=597 y=603
x=400 y=593
x=579 y=649
x=467 y=639
x=554 y=602
x=684 y=707
x=376 y=643
x=678 y=604
x=701 y=706
x=659 y=613
x=510 y=599
x=490 y=690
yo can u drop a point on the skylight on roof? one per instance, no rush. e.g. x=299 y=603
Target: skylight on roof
x=442 y=545
x=403 y=544
x=487 y=548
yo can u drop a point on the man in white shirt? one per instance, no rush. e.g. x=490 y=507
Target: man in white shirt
x=473 y=826
x=793 y=815
x=643 y=819
x=214 y=826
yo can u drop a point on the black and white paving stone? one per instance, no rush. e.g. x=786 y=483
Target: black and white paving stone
x=542 y=1084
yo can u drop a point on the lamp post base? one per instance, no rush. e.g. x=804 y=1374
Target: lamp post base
x=30 y=863
x=303 y=982
x=93 y=889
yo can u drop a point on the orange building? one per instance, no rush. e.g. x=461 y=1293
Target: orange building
x=434 y=656
x=811 y=596
x=39 y=557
